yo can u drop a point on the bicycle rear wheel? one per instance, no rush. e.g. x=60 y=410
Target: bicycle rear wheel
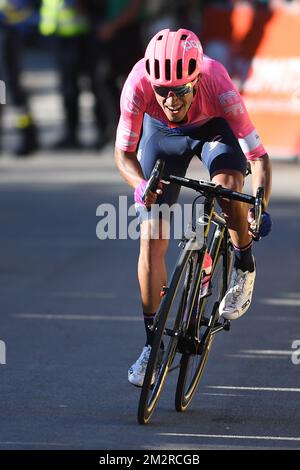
x=168 y=325
x=192 y=365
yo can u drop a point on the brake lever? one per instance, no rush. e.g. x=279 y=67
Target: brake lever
x=258 y=209
x=154 y=179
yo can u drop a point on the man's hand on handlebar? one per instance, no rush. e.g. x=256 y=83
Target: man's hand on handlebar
x=151 y=196
x=260 y=222
x=265 y=225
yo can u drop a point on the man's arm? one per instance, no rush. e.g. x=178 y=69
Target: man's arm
x=129 y=167
x=262 y=176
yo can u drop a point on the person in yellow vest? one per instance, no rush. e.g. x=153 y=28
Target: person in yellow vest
x=18 y=18
x=70 y=22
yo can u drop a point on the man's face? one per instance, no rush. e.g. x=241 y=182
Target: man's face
x=175 y=105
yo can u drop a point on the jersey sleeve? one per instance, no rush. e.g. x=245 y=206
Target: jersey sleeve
x=231 y=106
x=132 y=113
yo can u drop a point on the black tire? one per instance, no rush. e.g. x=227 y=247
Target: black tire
x=169 y=318
x=191 y=370
x=192 y=365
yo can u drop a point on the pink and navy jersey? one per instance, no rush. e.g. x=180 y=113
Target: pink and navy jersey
x=216 y=96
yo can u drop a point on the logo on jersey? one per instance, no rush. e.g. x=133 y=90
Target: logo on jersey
x=231 y=103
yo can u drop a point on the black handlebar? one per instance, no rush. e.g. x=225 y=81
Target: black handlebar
x=208 y=188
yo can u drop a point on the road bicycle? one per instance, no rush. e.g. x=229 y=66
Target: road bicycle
x=188 y=316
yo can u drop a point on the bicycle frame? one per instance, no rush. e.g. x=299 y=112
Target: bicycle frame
x=196 y=304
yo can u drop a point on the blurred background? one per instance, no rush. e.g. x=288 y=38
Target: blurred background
x=70 y=312
x=64 y=63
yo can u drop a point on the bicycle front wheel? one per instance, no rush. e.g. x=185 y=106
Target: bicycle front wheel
x=168 y=325
x=192 y=365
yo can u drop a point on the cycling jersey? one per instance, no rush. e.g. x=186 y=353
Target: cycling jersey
x=213 y=143
x=216 y=96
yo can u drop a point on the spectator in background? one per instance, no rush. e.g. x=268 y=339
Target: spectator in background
x=18 y=18
x=70 y=21
x=160 y=14
x=119 y=43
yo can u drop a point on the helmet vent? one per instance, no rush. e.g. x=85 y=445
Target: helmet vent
x=183 y=37
x=192 y=66
x=156 y=69
x=147 y=66
x=179 y=69
x=168 y=69
x=159 y=38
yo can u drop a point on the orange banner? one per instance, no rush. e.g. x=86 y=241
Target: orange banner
x=261 y=50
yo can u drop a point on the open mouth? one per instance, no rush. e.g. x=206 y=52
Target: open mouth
x=174 y=109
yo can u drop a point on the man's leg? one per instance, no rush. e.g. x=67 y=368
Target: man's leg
x=238 y=297
x=226 y=163
x=152 y=275
x=235 y=212
x=152 y=272
x=156 y=142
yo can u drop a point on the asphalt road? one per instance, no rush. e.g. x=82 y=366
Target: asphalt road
x=71 y=323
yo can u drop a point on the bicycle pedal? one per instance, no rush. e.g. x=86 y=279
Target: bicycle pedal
x=218 y=326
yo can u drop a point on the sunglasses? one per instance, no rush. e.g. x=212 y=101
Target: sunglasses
x=177 y=90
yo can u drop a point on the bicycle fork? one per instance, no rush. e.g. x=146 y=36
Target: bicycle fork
x=218 y=247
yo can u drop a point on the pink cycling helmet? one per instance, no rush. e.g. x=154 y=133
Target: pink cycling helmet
x=173 y=58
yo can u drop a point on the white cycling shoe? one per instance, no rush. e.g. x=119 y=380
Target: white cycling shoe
x=238 y=297
x=136 y=373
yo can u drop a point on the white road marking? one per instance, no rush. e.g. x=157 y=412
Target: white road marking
x=227 y=436
x=49 y=316
x=263 y=389
x=268 y=352
x=262 y=354
x=254 y=356
x=280 y=302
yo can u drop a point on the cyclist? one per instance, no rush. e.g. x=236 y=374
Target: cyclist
x=177 y=103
